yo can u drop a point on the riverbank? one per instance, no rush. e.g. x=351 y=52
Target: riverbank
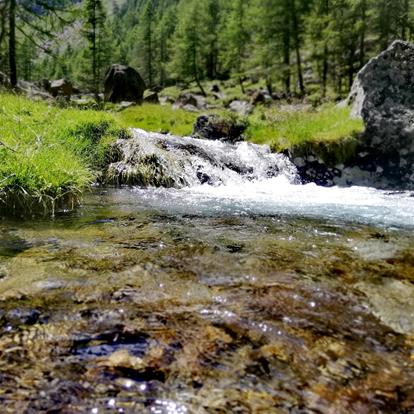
x=50 y=155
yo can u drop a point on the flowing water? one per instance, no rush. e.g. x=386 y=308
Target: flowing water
x=251 y=294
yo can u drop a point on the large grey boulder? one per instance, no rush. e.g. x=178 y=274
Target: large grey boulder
x=60 y=87
x=383 y=96
x=123 y=83
x=383 y=156
x=214 y=127
x=242 y=108
x=190 y=102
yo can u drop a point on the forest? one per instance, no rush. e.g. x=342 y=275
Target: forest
x=299 y=47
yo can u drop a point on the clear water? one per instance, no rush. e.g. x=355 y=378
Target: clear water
x=256 y=295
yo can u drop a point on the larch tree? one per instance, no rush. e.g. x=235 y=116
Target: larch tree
x=189 y=43
x=164 y=31
x=96 y=53
x=36 y=21
x=235 y=40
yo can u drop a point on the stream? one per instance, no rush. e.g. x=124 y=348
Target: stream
x=248 y=294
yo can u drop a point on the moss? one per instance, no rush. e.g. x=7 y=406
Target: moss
x=331 y=152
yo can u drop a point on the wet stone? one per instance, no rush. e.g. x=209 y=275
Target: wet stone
x=23 y=316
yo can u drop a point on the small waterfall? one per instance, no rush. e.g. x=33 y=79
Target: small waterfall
x=151 y=159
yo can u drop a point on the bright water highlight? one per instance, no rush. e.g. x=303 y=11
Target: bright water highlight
x=276 y=196
x=218 y=178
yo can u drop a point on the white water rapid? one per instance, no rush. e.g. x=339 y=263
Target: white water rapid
x=247 y=179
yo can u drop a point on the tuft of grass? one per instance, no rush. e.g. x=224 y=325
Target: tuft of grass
x=158 y=118
x=49 y=155
x=283 y=129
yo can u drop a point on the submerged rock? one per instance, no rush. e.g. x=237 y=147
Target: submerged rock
x=392 y=302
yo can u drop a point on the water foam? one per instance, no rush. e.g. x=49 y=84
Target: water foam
x=247 y=179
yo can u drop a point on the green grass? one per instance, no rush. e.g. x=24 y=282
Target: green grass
x=49 y=155
x=283 y=130
x=158 y=118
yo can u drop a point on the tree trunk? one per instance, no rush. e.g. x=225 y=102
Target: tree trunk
x=94 y=53
x=149 y=57
x=325 y=70
x=325 y=64
x=3 y=15
x=196 y=77
x=163 y=58
x=362 y=37
x=200 y=86
x=269 y=86
x=286 y=60
x=297 y=47
x=242 y=85
x=405 y=20
x=351 y=71
x=12 y=43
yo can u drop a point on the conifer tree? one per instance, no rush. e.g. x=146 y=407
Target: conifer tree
x=273 y=41
x=35 y=21
x=235 y=40
x=145 y=43
x=189 y=43
x=94 y=33
x=164 y=31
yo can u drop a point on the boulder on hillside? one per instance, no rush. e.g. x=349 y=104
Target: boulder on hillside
x=4 y=79
x=383 y=156
x=214 y=127
x=123 y=83
x=260 y=97
x=242 y=108
x=190 y=101
x=60 y=87
x=383 y=94
x=151 y=97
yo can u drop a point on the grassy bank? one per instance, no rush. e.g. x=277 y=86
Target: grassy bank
x=49 y=155
x=157 y=118
x=280 y=128
x=283 y=129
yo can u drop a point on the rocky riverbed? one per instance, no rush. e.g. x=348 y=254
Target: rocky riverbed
x=124 y=307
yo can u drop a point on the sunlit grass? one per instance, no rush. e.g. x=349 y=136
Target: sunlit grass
x=48 y=154
x=158 y=118
x=282 y=130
